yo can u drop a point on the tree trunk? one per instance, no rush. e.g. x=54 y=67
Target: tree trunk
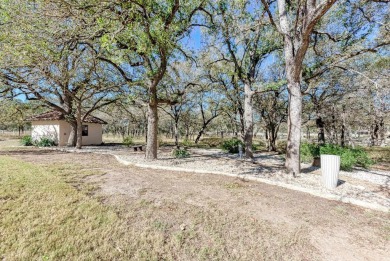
x=79 y=127
x=296 y=43
x=272 y=138
x=343 y=129
x=176 y=130
x=374 y=133
x=293 y=159
x=151 y=144
x=73 y=134
x=187 y=132
x=200 y=134
x=308 y=133
x=248 y=121
x=382 y=132
x=335 y=137
x=321 y=131
x=342 y=136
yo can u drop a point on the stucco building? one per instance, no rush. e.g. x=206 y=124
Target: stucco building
x=53 y=125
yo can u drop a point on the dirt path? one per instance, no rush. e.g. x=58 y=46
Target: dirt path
x=336 y=231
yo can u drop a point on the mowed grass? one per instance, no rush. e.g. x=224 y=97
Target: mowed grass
x=49 y=212
x=44 y=217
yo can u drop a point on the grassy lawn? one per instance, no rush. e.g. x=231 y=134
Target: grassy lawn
x=44 y=217
x=49 y=213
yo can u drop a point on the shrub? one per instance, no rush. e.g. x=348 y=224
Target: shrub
x=362 y=157
x=309 y=151
x=212 y=142
x=27 y=141
x=180 y=153
x=128 y=141
x=349 y=157
x=46 y=142
x=231 y=145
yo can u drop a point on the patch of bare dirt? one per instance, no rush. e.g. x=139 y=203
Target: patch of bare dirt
x=336 y=231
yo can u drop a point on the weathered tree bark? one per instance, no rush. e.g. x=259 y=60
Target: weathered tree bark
x=293 y=158
x=151 y=144
x=73 y=134
x=272 y=136
x=79 y=127
x=248 y=121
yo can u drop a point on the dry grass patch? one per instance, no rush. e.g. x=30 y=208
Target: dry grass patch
x=48 y=213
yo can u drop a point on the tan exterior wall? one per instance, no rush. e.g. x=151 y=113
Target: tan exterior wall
x=60 y=130
x=95 y=134
x=48 y=129
x=64 y=134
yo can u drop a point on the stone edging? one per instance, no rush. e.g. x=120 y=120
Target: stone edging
x=316 y=193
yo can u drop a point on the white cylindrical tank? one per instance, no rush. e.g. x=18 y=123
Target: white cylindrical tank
x=330 y=167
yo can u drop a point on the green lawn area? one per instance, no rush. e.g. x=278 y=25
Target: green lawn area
x=43 y=217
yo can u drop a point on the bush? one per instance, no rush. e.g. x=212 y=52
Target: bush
x=128 y=141
x=349 y=157
x=309 y=151
x=231 y=145
x=27 y=141
x=46 y=142
x=212 y=142
x=362 y=157
x=180 y=153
